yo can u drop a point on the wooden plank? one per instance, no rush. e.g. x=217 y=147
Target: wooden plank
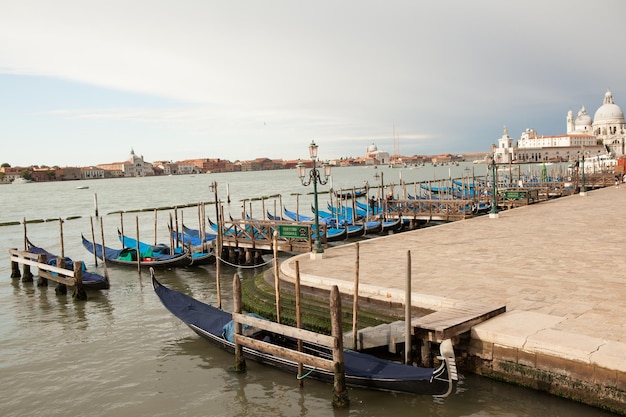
x=451 y=322
x=286 y=353
x=302 y=334
x=46 y=267
x=67 y=281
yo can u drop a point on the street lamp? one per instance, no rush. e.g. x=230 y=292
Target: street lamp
x=315 y=178
x=493 y=214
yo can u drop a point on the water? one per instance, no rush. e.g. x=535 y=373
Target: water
x=122 y=354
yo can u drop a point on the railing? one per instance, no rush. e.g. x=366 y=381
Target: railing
x=73 y=278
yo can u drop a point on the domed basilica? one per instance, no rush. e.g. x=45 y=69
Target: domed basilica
x=605 y=133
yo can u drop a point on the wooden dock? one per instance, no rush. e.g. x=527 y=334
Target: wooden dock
x=64 y=277
x=446 y=323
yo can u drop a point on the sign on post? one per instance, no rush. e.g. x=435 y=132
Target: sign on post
x=293 y=232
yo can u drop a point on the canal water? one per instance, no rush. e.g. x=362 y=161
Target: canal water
x=120 y=353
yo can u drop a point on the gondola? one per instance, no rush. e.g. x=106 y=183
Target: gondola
x=90 y=280
x=368 y=227
x=361 y=370
x=198 y=255
x=128 y=256
x=331 y=223
x=350 y=194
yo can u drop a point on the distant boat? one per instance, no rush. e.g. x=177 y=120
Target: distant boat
x=82 y=187
x=21 y=180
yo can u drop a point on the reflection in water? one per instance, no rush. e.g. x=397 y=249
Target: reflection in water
x=120 y=353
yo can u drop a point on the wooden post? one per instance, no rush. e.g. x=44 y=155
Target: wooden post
x=155 y=226
x=95 y=203
x=61 y=237
x=276 y=274
x=407 y=312
x=177 y=241
x=171 y=228
x=122 y=223
x=137 y=246
x=340 y=393
x=299 y=321
x=79 y=291
x=15 y=268
x=240 y=361
x=27 y=275
x=41 y=282
x=218 y=261
x=104 y=262
x=93 y=239
x=355 y=304
x=61 y=289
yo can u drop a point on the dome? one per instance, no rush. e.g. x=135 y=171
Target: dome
x=609 y=111
x=583 y=119
x=372 y=148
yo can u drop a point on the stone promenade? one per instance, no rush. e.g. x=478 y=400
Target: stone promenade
x=558 y=266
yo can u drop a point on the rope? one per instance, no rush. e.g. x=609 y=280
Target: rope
x=307 y=374
x=243 y=266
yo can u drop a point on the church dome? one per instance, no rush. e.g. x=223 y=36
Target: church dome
x=583 y=119
x=609 y=111
x=372 y=148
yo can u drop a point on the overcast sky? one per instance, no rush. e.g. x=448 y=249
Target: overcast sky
x=82 y=82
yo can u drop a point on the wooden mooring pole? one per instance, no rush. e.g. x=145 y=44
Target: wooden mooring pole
x=340 y=392
x=79 y=291
x=61 y=289
x=15 y=268
x=299 y=322
x=276 y=275
x=355 y=302
x=407 y=311
x=240 y=361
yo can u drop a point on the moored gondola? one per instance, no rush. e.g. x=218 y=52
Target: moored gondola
x=361 y=370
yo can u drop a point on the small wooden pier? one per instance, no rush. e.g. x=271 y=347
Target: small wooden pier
x=64 y=277
x=446 y=323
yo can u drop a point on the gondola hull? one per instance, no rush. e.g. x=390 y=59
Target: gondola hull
x=128 y=257
x=361 y=370
x=90 y=280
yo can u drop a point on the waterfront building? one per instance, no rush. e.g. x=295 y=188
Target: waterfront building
x=504 y=153
x=89 y=173
x=375 y=157
x=604 y=134
x=134 y=166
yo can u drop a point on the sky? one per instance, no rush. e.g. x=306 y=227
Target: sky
x=83 y=82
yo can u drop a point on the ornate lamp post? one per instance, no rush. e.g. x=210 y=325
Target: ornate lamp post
x=315 y=178
x=493 y=214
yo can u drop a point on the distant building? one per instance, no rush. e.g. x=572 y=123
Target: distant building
x=375 y=157
x=605 y=133
x=89 y=173
x=134 y=166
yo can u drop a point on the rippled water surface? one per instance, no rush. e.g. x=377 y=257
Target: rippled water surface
x=120 y=353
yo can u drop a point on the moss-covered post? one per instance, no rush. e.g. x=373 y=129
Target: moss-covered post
x=61 y=288
x=15 y=268
x=276 y=275
x=240 y=361
x=79 y=291
x=340 y=392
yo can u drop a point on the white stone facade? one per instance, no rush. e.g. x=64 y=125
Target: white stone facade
x=605 y=133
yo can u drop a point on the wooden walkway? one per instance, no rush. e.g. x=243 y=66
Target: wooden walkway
x=446 y=323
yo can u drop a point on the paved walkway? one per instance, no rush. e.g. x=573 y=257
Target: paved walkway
x=558 y=266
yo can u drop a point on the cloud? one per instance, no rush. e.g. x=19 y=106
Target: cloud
x=266 y=76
